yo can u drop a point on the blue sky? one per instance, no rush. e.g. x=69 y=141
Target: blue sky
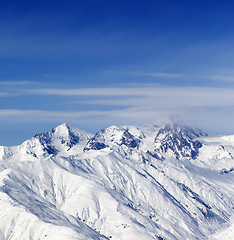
x=96 y=63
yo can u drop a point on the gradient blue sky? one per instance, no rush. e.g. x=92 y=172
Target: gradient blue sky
x=93 y=63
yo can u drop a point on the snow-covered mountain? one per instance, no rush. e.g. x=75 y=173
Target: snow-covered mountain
x=160 y=181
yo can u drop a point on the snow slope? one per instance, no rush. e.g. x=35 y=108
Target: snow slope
x=161 y=181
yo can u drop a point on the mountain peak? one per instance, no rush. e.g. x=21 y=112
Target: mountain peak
x=63 y=126
x=144 y=185
x=111 y=137
x=62 y=136
x=177 y=137
x=173 y=136
x=63 y=130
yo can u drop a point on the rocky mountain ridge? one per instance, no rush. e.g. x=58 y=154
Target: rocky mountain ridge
x=161 y=181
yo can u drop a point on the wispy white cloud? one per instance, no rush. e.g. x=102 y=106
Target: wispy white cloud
x=209 y=119
x=148 y=96
x=136 y=105
x=224 y=78
x=134 y=115
x=145 y=98
x=90 y=91
x=176 y=97
x=5 y=94
x=17 y=82
x=225 y=75
x=149 y=74
x=156 y=74
x=46 y=113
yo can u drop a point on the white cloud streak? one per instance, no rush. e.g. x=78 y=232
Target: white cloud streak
x=5 y=94
x=139 y=91
x=149 y=96
x=87 y=92
x=44 y=113
x=174 y=98
x=17 y=82
x=224 y=78
x=150 y=74
x=208 y=106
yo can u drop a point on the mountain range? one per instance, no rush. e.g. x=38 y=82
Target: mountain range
x=163 y=181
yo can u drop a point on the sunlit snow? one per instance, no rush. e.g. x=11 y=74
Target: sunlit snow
x=166 y=181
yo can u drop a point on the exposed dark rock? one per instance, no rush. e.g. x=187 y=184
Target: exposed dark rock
x=180 y=139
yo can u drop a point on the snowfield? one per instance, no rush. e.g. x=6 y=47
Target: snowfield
x=161 y=181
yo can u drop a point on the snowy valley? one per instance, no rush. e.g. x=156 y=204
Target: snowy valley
x=161 y=181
